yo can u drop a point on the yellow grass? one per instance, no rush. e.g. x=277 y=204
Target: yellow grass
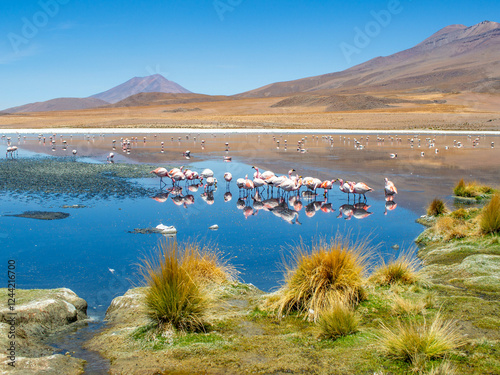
x=436 y=208
x=325 y=272
x=338 y=320
x=490 y=216
x=471 y=189
x=176 y=277
x=403 y=306
x=402 y=270
x=413 y=341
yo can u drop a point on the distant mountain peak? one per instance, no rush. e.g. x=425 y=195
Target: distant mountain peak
x=136 y=85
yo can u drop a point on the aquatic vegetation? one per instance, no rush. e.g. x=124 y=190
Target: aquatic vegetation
x=471 y=189
x=338 y=320
x=327 y=271
x=173 y=297
x=412 y=341
x=437 y=207
x=401 y=270
x=490 y=216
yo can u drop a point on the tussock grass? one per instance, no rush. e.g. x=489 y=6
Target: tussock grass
x=325 y=272
x=490 y=216
x=176 y=277
x=402 y=270
x=413 y=342
x=436 y=208
x=206 y=265
x=338 y=320
x=471 y=189
x=444 y=368
x=404 y=306
x=449 y=228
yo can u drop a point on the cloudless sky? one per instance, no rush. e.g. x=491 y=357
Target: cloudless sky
x=77 y=48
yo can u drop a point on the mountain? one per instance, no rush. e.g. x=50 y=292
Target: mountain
x=59 y=104
x=456 y=58
x=136 y=85
x=161 y=98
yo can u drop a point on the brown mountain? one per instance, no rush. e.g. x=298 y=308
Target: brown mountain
x=136 y=85
x=59 y=104
x=456 y=58
x=160 y=98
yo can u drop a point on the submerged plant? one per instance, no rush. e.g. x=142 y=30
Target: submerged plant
x=412 y=341
x=328 y=271
x=490 y=217
x=436 y=208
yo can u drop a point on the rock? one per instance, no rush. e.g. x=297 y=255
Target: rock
x=42 y=215
x=39 y=314
x=213 y=227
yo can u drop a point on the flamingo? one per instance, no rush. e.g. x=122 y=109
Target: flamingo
x=228 y=177
x=160 y=172
x=390 y=188
x=248 y=184
x=11 y=150
x=240 y=183
x=210 y=181
x=110 y=157
x=257 y=180
x=345 y=187
x=361 y=188
x=207 y=173
x=327 y=185
x=161 y=198
x=312 y=183
x=347 y=210
x=228 y=196
x=176 y=177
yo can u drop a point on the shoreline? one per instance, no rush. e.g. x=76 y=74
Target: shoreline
x=241 y=131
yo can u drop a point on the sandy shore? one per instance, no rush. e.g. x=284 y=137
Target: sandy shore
x=238 y=131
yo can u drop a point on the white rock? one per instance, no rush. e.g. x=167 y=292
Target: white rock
x=165 y=229
x=214 y=227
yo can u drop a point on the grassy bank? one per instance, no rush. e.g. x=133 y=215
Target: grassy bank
x=448 y=311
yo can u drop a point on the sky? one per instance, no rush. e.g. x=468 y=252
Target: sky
x=78 y=48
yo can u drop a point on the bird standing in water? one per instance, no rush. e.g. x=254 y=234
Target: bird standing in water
x=390 y=188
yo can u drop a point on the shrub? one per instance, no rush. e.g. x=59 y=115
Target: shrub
x=402 y=270
x=490 y=217
x=327 y=272
x=451 y=228
x=471 y=189
x=411 y=341
x=337 y=321
x=173 y=297
x=436 y=208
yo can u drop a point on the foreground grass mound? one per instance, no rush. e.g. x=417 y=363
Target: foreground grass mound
x=402 y=270
x=490 y=217
x=176 y=277
x=329 y=271
x=414 y=341
x=337 y=321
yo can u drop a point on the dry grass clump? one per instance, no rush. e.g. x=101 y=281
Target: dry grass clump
x=490 y=216
x=449 y=228
x=338 y=320
x=444 y=368
x=471 y=189
x=329 y=271
x=404 y=306
x=176 y=278
x=402 y=270
x=206 y=265
x=413 y=342
x=436 y=208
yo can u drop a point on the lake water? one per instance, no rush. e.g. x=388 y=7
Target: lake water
x=93 y=252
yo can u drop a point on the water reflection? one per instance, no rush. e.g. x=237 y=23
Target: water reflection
x=286 y=206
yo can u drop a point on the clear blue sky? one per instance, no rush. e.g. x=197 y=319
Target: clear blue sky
x=77 y=48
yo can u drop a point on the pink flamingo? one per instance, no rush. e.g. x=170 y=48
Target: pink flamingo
x=160 y=172
x=390 y=188
x=345 y=187
x=361 y=188
x=327 y=185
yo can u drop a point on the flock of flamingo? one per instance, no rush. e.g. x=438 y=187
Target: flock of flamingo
x=269 y=179
x=258 y=193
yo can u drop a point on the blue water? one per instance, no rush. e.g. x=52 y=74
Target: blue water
x=93 y=253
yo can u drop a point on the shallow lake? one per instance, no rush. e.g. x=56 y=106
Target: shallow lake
x=94 y=253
